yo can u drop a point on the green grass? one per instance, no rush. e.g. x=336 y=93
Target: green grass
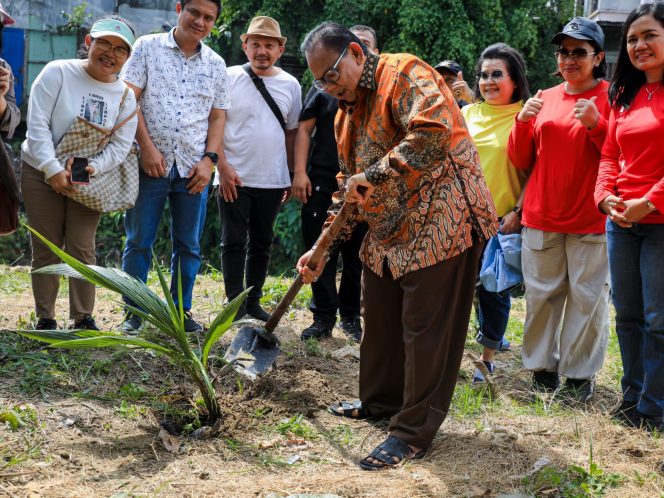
x=296 y=426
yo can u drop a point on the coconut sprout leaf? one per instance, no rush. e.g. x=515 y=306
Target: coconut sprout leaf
x=162 y=313
x=173 y=315
x=53 y=336
x=100 y=341
x=221 y=324
x=156 y=310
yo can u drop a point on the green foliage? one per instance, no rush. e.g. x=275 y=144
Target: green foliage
x=431 y=29
x=288 y=245
x=574 y=481
x=295 y=426
x=170 y=338
x=74 y=22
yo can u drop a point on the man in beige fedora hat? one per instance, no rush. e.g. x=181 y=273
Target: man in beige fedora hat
x=258 y=147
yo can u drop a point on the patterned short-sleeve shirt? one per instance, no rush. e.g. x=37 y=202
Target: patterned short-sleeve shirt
x=178 y=95
x=406 y=133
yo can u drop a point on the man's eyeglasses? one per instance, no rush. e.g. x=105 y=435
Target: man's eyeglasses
x=331 y=75
x=576 y=54
x=494 y=75
x=105 y=46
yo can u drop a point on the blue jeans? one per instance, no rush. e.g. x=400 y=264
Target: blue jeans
x=493 y=313
x=187 y=219
x=637 y=282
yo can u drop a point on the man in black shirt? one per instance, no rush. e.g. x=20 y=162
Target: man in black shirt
x=314 y=188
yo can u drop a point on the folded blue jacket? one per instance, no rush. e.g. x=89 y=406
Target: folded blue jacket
x=501 y=263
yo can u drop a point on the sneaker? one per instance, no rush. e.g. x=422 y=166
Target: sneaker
x=85 y=323
x=254 y=309
x=582 y=390
x=627 y=414
x=545 y=381
x=652 y=424
x=191 y=325
x=478 y=376
x=352 y=327
x=505 y=345
x=317 y=330
x=46 y=324
x=132 y=325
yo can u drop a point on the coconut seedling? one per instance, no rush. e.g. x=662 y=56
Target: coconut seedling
x=169 y=338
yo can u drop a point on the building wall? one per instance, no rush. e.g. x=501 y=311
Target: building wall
x=146 y=16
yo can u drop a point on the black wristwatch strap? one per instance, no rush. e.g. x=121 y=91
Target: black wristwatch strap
x=214 y=157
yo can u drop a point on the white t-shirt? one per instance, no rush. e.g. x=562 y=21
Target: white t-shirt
x=64 y=91
x=254 y=141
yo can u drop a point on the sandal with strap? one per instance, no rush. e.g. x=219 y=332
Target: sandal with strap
x=390 y=453
x=351 y=409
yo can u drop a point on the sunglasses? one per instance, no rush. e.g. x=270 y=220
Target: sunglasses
x=331 y=75
x=577 y=53
x=105 y=46
x=494 y=75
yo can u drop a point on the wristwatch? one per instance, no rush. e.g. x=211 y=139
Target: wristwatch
x=214 y=157
x=517 y=210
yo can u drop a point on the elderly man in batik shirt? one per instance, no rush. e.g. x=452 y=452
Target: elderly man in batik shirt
x=410 y=164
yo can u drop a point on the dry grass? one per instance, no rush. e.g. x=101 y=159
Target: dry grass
x=92 y=419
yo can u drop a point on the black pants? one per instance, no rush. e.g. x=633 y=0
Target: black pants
x=326 y=301
x=246 y=238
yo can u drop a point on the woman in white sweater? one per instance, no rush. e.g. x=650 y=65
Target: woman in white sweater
x=64 y=91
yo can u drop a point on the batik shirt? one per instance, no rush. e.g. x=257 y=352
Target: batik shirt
x=178 y=95
x=406 y=133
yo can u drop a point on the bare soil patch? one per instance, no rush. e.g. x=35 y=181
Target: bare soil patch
x=91 y=423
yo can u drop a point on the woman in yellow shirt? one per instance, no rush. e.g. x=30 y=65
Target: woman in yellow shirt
x=500 y=92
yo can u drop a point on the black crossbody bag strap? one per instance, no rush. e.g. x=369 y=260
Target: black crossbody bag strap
x=260 y=86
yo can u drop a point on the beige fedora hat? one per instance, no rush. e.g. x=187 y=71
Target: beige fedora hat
x=264 y=26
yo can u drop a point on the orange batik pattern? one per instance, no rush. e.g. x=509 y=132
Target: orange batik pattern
x=407 y=134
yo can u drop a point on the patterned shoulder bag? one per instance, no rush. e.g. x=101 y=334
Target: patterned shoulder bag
x=113 y=190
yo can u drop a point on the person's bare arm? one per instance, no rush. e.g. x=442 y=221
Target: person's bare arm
x=152 y=161
x=301 y=182
x=201 y=172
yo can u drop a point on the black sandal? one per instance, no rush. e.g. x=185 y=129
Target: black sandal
x=391 y=453
x=351 y=409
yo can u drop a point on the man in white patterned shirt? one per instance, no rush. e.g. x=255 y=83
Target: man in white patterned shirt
x=182 y=90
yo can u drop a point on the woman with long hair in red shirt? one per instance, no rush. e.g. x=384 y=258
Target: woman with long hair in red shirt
x=559 y=133
x=630 y=189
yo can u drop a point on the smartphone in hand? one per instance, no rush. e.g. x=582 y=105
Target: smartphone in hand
x=79 y=175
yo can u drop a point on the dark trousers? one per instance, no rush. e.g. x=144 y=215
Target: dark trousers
x=326 y=300
x=246 y=237
x=414 y=335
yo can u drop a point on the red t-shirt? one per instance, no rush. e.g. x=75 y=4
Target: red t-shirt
x=564 y=156
x=636 y=134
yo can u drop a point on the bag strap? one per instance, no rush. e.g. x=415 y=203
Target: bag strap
x=128 y=118
x=260 y=86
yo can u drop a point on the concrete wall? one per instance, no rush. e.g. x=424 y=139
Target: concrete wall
x=609 y=10
x=146 y=15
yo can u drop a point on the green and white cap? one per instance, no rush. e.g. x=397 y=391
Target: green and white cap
x=113 y=27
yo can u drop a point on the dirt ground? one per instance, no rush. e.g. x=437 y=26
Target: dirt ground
x=91 y=424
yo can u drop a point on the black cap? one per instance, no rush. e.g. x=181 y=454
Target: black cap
x=451 y=66
x=581 y=28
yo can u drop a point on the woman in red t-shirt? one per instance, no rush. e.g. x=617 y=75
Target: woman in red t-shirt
x=630 y=189
x=559 y=133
